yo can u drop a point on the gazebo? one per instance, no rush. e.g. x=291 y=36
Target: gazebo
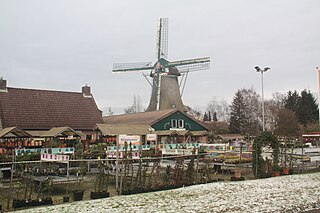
x=66 y=135
x=11 y=138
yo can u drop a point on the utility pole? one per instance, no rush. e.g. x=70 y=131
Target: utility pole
x=318 y=72
x=117 y=163
x=256 y=159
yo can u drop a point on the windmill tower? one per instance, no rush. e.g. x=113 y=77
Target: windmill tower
x=166 y=92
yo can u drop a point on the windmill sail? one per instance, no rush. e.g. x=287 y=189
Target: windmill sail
x=124 y=67
x=162 y=39
x=165 y=92
x=191 y=65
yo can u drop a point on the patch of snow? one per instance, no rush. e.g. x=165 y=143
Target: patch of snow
x=293 y=193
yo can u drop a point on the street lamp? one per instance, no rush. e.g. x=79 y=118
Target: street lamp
x=262 y=71
x=318 y=72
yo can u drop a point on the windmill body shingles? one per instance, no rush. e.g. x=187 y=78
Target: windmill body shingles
x=43 y=109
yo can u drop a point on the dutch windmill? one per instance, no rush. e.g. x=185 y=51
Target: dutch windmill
x=165 y=85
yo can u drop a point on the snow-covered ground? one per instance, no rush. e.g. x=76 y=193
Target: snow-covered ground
x=294 y=193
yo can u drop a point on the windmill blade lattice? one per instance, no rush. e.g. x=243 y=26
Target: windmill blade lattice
x=191 y=65
x=123 y=67
x=162 y=38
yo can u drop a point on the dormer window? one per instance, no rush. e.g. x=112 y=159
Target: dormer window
x=180 y=124
x=174 y=123
x=177 y=124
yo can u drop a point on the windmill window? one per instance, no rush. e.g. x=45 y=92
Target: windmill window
x=181 y=123
x=174 y=123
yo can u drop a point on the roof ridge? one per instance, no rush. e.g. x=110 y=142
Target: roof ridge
x=45 y=90
x=170 y=111
x=149 y=112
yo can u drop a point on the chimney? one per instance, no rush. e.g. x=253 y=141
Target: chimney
x=86 y=91
x=3 y=85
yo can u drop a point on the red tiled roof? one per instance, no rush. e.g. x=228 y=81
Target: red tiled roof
x=32 y=109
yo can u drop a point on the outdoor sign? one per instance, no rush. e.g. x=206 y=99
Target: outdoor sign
x=112 y=154
x=56 y=158
x=66 y=150
x=151 y=137
x=27 y=151
x=134 y=139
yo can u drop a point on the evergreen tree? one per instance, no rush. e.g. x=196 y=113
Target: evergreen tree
x=205 y=117
x=292 y=102
x=237 y=114
x=209 y=117
x=307 y=108
x=214 y=117
x=304 y=106
x=245 y=113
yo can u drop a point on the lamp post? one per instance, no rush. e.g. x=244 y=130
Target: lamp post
x=318 y=72
x=262 y=71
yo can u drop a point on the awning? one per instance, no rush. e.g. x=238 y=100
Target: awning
x=173 y=132
x=166 y=132
x=14 y=132
x=181 y=133
x=198 y=133
x=61 y=132
x=231 y=137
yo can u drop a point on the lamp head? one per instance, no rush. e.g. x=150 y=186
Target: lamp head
x=266 y=69
x=257 y=68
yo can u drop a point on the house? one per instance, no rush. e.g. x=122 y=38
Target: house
x=37 y=111
x=170 y=125
x=172 y=131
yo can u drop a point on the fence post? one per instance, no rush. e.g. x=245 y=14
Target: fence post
x=197 y=178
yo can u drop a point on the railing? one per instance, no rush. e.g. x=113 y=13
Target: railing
x=178 y=151
x=160 y=146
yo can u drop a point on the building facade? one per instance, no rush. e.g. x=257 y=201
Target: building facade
x=37 y=111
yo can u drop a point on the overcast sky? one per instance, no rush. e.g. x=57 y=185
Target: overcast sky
x=63 y=45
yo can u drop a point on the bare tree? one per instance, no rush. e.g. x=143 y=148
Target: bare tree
x=253 y=111
x=195 y=112
x=137 y=104
x=110 y=112
x=135 y=107
x=272 y=108
x=287 y=124
x=220 y=107
x=289 y=128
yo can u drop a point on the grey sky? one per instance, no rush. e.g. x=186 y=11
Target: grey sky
x=62 y=45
